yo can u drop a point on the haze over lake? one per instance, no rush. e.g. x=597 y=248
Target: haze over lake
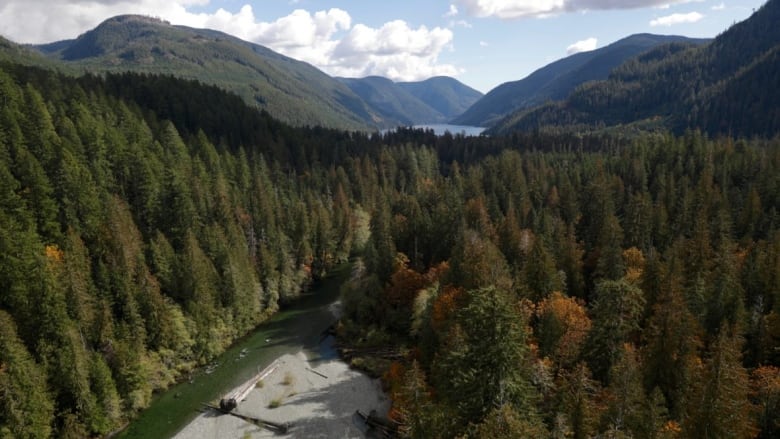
x=440 y=129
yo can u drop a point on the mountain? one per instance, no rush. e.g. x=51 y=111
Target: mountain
x=556 y=80
x=434 y=100
x=291 y=90
x=446 y=95
x=19 y=54
x=730 y=86
x=394 y=104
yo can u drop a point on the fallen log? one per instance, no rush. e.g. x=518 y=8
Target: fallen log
x=386 y=426
x=315 y=372
x=273 y=426
x=377 y=352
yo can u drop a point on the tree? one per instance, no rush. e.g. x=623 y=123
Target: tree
x=505 y=422
x=26 y=407
x=718 y=406
x=577 y=401
x=478 y=263
x=765 y=395
x=541 y=276
x=562 y=328
x=672 y=340
x=626 y=398
x=616 y=311
x=484 y=363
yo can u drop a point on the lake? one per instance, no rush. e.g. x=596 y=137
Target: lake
x=440 y=129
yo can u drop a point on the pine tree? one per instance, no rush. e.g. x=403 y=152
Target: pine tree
x=616 y=311
x=718 y=406
x=26 y=407
x=484 y=364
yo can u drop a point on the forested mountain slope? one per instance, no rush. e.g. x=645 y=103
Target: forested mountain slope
x=558 y=79
x=435 y=100
x=727 y=87
x=293 y=91
x=391 y=102
x=446 y=95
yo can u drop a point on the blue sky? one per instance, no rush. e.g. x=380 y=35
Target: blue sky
x=482 y=43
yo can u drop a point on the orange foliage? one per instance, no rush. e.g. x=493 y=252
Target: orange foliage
x=435 y=273
x=405 y=283
x=54 y=254
x=672 y=427
x=445 y=305
x=393 y=382
x=765 y=383
x=635 y=264
x=574 y=321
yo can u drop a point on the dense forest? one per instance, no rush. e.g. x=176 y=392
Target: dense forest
x=536 y=285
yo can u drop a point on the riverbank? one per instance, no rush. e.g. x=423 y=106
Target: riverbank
x=296 y=328
x=316 y=394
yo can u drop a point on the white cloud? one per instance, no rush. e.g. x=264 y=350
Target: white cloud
x=510 y=9
x=327 y=39
x=671 y=20
x=460 y=23
x=582 y=46
x=719 y=7
x=483 y=44
x=453 y=11
x=394 y=50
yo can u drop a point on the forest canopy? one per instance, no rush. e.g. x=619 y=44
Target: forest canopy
x=537 y=285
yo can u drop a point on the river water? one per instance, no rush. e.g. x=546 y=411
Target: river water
x=297 y=327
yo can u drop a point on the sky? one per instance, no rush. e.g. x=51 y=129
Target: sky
x=482 y=43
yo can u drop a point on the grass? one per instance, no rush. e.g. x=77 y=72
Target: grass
x=259 y=384
x=288 y=379
x=276 y=402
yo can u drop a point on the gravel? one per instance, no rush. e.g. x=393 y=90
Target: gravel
x=318 y=397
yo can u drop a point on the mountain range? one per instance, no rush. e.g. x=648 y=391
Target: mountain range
x=557 y=80
x=730 y=86
x=726 y=85
x=291 y=90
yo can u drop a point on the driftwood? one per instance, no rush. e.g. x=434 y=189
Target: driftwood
x=385 y=426
x=315 y=372
x=388 y=353
x=274 y=426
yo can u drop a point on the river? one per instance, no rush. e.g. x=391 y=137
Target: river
x=297 y=327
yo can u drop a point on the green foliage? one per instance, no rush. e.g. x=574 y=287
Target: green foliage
x=137 y=245
x=483 y=363
x=616 y=311
x=557 y=80
x=26 y=407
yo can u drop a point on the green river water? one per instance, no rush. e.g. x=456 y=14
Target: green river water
x=297 y=327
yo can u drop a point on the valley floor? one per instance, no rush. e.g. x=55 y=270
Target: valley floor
x=317 y=396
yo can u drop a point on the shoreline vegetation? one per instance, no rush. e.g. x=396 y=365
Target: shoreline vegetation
x=320 y=391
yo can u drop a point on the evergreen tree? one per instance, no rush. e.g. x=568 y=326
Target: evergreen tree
x=616 y=311
x=484 y=364
x=26 y=407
